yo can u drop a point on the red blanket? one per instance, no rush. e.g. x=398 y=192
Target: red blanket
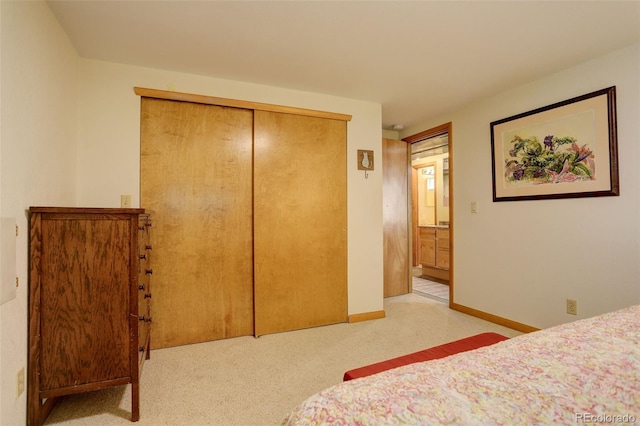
x=462 y=345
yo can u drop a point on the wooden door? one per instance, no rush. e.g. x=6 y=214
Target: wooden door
x=195 y=179
x=300 y=222
x=395 y=216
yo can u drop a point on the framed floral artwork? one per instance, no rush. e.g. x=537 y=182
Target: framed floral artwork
x=564 y=150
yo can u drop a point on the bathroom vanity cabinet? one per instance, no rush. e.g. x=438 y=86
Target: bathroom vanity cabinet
x=434 y=251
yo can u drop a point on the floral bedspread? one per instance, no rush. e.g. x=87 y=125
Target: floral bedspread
x=587 y=371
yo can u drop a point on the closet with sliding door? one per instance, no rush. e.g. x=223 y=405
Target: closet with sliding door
x=250 y=220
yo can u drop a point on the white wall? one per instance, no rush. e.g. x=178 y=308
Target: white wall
x=38 y=157
x=521 y=260
x=109 y=152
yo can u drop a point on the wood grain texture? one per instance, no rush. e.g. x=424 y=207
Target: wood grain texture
x=427 y=248
x=366 y=316
x=442 y=248
x=86 y=285
x=83 y=304
x=395 y=217
x=195 y=175
x=35 y=411
x=300 y=222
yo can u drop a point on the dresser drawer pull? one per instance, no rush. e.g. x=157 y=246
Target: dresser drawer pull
x=147 y=296
x=141 y=348
x=149 y=271
x=141 y=287
x=148 y=247
x=143 y=256
x=142 y=318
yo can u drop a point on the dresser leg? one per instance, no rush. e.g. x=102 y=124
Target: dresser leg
x=135 y=402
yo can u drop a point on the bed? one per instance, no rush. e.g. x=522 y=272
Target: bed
x=584 y=371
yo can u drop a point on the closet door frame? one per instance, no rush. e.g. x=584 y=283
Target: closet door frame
x=256 y=106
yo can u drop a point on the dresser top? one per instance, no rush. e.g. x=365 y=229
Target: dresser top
x=90 y=210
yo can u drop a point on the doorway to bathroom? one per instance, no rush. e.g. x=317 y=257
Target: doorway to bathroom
x=431 y=213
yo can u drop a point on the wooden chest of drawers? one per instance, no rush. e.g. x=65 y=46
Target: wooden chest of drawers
x=89 y=303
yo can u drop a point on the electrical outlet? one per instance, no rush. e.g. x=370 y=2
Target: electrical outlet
x=20 y=382
x=125 y=201
x=572 y=307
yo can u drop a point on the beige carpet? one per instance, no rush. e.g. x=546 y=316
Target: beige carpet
x=248 y=381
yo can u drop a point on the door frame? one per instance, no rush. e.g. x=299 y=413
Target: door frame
x=443 y=129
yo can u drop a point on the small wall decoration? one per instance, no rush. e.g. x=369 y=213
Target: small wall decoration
x=564 y=150
x=365 y=161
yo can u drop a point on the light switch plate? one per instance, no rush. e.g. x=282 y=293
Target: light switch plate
x=125 y=201
x=20 y=382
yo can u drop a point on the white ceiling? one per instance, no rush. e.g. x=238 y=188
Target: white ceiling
x=419 y=59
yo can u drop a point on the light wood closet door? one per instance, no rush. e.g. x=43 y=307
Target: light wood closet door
x=195 y=166
x=300 y=248
x=395 y=214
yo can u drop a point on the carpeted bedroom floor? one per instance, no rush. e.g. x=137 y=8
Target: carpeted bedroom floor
x=256 y=381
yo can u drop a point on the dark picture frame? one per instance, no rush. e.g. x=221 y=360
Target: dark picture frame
x=565 y=150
